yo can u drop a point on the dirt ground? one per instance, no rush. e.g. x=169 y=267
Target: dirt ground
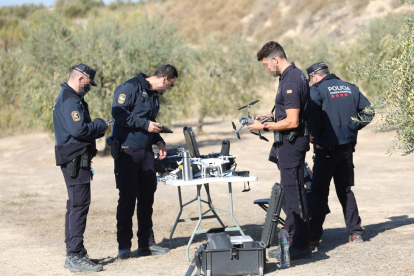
x=33 y=199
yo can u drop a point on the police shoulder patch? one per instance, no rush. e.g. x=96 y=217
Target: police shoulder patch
x=76 y=116
x=121 y=99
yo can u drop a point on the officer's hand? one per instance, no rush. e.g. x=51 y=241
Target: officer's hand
x=258 y=117
x=163 y=150
x=105 y=129
x=255 y=126
x=311 y=139
x=153 y=127
x=261 y=118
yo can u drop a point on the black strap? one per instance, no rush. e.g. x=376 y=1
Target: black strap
x=195 y=263
x=271 y=113
x=301 y=207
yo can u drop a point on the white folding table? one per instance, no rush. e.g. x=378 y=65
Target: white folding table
x=199 y=182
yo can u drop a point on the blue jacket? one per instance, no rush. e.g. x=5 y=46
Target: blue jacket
x=133 y=107
x=333 y=103
x=74 y=130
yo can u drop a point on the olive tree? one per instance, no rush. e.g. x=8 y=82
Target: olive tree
x=394 y=103
x=51 y=45
x=225 y=77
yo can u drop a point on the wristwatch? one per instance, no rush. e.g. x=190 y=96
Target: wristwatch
x=265 y=128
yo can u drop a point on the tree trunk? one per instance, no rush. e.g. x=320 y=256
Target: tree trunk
x=107 y=148
x=200 y=122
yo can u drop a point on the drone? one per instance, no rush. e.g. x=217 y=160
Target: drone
x=247 y=120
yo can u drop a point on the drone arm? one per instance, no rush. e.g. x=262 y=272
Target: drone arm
x=240 y=128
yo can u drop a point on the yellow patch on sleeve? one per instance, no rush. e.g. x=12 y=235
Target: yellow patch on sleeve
x=121 y=99
x=289 y=91
x=76 y=116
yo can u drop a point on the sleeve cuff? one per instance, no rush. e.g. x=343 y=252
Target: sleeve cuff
x=101 y=123
x=162 y=141
x=146 y=125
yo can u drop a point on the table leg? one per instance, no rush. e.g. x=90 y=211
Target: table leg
x=210 y=204
x=200 y=217
x=178 y=217
x=231 y=210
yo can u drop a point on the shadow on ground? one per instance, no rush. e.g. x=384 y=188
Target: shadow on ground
x=335 y=237
x=105 y=261
x=331 y=239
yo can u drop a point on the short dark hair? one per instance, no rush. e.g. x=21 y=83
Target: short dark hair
x=323 y=72
x=166 y=70
x=271 y=49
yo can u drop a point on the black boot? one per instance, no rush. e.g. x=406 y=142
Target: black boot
x=152 y=250
x=82 y=263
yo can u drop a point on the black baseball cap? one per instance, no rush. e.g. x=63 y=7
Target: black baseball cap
x=86 y=70
x=315 y=68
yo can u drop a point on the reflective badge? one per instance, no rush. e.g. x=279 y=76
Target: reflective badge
x=157 y=102
x=75 y=116
x=144 y=94
x=289 y=91
x=121 y=99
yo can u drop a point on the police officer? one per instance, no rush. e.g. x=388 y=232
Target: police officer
x=135 y=106
x=291 y=143
x=75 y=135
x=333 y=134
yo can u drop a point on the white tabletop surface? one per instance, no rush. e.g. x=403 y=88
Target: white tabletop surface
x=199 y=181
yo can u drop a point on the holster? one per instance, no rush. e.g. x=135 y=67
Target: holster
x=86 y=159
x=273 y=154
x=116 y=148
x=73 y=167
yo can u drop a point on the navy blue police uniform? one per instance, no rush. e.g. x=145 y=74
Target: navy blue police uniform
x=75 y=135
x=134 y=106
x=333 y=103
x=293 y=92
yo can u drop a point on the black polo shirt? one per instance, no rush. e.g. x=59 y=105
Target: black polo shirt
x=293 y=92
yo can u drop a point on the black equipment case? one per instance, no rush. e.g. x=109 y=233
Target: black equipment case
x=220 y=258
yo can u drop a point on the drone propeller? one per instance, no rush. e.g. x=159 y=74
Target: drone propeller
x=252 y=103
x=235 y=130
x=264 y=138
x=260 y=136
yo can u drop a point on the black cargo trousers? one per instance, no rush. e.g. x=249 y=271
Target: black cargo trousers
x=296 y=226
x=77 y=208
x=136 y=181
x=336 y=162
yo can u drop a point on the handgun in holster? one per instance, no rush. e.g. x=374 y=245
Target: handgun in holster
x=73 y=167
x=116 y=147
x=302 y=128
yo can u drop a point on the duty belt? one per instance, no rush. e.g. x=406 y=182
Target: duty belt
x=324 y=147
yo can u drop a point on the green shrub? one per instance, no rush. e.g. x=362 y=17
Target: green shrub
x=395 y=102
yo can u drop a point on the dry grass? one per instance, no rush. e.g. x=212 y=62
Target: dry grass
x=263 y=20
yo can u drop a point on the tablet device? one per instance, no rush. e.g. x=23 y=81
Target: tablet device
x=164 y=129
x=191 y=142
